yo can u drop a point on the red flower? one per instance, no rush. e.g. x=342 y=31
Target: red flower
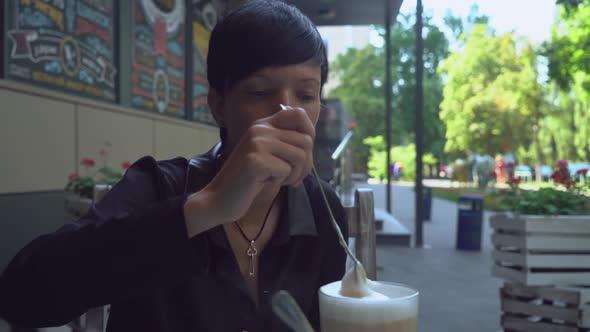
x=582 y=171
x=561 y=163
x=126 y=165
x=516 y=181
x=88 y=162
x=73 y=176
x=561 y=176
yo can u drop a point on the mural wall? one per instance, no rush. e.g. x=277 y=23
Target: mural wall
x=157 y=76
x=206 y=14
x=67 y=45
x=73 y=46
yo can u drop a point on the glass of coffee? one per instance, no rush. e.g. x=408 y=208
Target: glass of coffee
x=396 y=312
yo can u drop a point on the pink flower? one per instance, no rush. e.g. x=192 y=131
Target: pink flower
x=72 y=176
x=88 y=162
x=126 y=165
x=582 y=171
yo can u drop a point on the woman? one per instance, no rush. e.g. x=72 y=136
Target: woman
x=202 y=245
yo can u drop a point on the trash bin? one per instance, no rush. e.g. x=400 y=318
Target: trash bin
x=469 y=223
x=427 y=203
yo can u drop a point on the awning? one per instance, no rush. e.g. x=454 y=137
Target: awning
x=346 y=12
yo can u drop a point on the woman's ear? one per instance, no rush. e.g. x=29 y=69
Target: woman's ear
x=216 y=101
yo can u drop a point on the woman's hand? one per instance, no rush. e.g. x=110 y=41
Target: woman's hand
x=276 y=150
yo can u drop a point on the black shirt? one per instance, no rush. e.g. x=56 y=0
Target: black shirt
x=132 y=251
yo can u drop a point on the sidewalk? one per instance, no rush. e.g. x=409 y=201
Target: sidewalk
x=457 y=291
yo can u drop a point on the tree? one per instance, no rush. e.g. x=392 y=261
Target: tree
x=459 y=26
x=492 y=99
x=405 y=154
x=569 y=71
x=361 y=76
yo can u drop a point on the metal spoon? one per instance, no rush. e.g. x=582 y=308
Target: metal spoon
x=343 y=242
x=284 y=306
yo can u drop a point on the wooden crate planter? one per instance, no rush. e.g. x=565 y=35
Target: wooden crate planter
x=544 y=309
x=542 y=250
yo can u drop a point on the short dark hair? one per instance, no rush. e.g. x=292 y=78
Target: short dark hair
x=259 y=34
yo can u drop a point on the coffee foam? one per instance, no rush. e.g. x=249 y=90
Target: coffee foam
x=399 y=303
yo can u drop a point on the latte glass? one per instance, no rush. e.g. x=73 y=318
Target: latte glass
x=397 y=313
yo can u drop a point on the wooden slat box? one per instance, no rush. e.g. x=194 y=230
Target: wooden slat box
x=541 y=309
x=542 y=250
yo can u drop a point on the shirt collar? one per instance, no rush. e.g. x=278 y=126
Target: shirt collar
x=298 y=213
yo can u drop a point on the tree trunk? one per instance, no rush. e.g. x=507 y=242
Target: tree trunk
x=538 y=156
x=554 y=155
x=573 y=153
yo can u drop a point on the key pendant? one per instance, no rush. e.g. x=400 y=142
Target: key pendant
x=252 y=253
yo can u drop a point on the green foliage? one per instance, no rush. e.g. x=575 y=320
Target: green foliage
x=569 y=70
x=568 y=198
x=486 y=96
x=459 y=26
x=406 y=154
x=492 y=98
x=570 y=40
x=376 y=165
x=84 y=185
x=545 y=201
x=565 y=131
x=361 y=75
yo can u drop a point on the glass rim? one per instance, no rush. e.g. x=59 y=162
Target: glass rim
x=414 y=294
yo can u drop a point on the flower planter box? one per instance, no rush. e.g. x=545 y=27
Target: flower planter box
x=541 y=250
x=76 y=206
x=540 y=309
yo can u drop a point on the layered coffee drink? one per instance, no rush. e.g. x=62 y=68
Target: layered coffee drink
x=389 y=308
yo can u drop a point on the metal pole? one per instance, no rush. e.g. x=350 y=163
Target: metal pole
x=188 y=61
x=419 y=125
x=388 y=110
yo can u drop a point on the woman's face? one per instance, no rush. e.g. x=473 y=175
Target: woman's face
x=259 y=96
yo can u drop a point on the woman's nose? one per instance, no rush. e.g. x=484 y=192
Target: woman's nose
x=284 y=97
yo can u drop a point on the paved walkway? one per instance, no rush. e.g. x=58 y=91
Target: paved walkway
x=457 y=292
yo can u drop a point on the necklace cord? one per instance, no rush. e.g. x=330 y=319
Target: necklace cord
x=263 y=224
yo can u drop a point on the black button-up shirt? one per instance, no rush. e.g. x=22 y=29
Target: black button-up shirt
x=132 y=251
